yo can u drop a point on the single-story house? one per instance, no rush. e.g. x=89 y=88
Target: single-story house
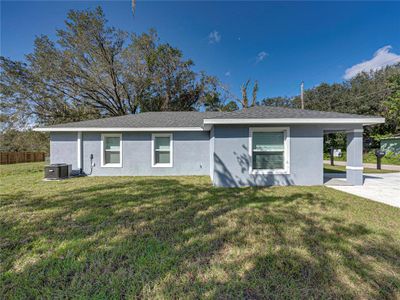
x=254 y=146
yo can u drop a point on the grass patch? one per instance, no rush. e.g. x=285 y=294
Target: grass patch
x=342 y=169
x=369 y=157
x=179 y=237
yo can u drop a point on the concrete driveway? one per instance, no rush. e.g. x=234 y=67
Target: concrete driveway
x=383 y=188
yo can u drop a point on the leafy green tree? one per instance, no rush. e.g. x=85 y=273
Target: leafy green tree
x=278 y=102
x=374 y=93
x=213 y=102
x=217 y=97
x=371 y=93
x=94 y=70
x=12 y=140
x=392 y=102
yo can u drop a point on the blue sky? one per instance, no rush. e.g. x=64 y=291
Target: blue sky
x=277 y=43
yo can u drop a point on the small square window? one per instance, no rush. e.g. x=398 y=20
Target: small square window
x=111 y=150
x=162 y=150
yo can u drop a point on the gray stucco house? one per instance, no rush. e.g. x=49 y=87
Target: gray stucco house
x=254 y=146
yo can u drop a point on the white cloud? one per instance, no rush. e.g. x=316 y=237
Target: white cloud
x=261 y=56
x=214 y=37
x=228 y=74
x=382 y=58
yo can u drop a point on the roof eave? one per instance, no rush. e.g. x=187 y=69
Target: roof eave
x=117 y=129
x=209 y=122
x=363 y=121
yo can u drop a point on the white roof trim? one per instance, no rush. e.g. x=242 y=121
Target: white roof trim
x=117 y=129
x=364 y=121
x=209 y=122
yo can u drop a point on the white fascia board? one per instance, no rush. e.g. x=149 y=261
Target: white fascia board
x=118 y=129
x=366 y=121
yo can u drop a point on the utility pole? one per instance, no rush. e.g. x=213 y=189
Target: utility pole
x=302 y=94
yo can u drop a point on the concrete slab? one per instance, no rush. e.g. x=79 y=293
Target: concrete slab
x=384 y=188
x=335 y=179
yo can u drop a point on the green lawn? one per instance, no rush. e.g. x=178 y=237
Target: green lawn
x=342 y=169
x=179 y=237
x=369 y=157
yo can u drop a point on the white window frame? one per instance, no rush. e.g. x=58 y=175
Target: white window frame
x=286 y=150
x=103 y=159
x=171 y=150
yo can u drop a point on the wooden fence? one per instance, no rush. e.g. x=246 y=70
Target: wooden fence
x=21 y=157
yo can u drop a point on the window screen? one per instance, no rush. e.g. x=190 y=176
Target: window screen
x=162 y=151
x=112 y=151
x=268 y=150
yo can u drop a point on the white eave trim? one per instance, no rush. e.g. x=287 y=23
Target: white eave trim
x=209 y=122
x=365 y=121
x=117 y=129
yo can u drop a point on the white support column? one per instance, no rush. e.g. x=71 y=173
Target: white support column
x=79 y=150
x=354 y=166
x=211 y=149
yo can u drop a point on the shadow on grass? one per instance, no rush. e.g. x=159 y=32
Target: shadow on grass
x=174 y=238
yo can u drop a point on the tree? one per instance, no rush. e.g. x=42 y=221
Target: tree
x=160 y=78
x=245 y=101
x=94 y=70
x=27 y=140
x=278 y=102
x=217 y=97
x=213 y=102
x=392 y=102
x=372 y=93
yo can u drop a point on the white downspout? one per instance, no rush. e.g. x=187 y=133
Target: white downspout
x=79 y=150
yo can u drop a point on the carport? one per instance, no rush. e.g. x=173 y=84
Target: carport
x=354 y=164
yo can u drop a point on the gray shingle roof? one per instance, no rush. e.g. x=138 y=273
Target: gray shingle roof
x=195 y=119
x=147 y=119
x=269 y=112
